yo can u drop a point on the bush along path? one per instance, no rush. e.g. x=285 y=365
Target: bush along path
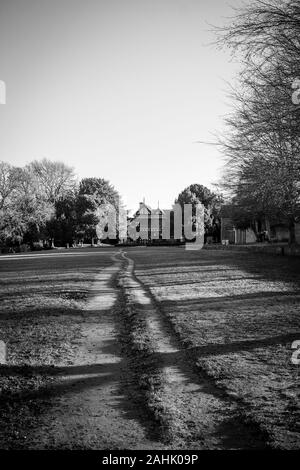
x=190 y=410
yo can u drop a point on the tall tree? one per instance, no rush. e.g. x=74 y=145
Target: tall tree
x=23 y=211
x=54 y=179
x=98 y=197
x=262 y=143
x=9 y=182
x=197 y=193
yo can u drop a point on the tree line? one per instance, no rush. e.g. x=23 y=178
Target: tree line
x=262 y=140
x=43 y=204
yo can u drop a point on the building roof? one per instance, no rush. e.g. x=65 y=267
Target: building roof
x=146 y=209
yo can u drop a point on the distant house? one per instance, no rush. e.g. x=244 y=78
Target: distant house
x=230 y=233
x=274 y=230
x=150 y=224
x=141 y=220
x=157 y=226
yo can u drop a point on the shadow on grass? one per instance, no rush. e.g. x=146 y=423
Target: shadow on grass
x=74 y=379
x=266 y=266
x=232 y=347
x=64 y=382
x=43 y=387
x=251 y=298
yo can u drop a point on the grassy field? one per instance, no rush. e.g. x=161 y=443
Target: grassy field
x=237 y=315
x=41 y=300
x=234 y=316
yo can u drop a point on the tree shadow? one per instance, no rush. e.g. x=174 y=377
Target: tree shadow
x=266 y=266
x=277 y=296
x=61 y=382
x=214 y=349
x=79 y=378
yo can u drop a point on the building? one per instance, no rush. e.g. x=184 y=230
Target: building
x=149 y=225
x=263 y=229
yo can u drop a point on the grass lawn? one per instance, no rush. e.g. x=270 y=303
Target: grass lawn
x=237 y=314
x=41 y=301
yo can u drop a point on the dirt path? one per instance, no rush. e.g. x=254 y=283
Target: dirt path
x=128 y=383
x=199 y=415
x=90 y=408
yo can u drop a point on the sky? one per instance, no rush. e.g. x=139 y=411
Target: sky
x=118 y=89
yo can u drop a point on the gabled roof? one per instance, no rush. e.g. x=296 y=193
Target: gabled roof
x=143 y=209
x=157 y=211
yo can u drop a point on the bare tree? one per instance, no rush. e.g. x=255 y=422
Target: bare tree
x=9 y=182
x=262 y=144
x=54 y=179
